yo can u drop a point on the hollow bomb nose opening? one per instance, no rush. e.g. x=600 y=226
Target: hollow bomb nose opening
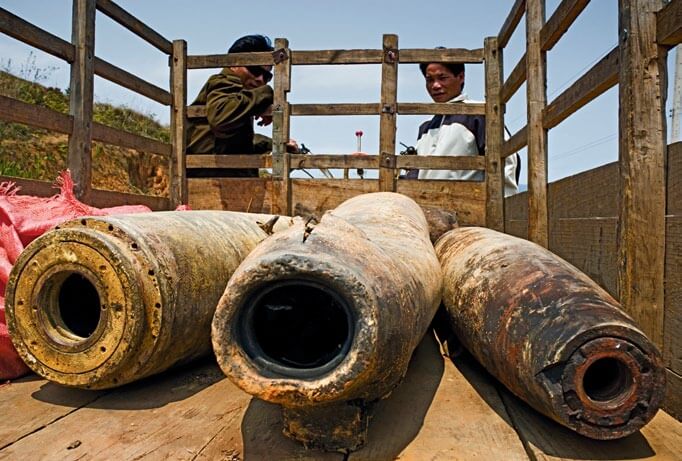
x=607 y=379
x=296 y=328
x=73 y=306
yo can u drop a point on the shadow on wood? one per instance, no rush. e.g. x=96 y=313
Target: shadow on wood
x=548 y=437
x=396 y=421
x=188 y=380
x=541 y=435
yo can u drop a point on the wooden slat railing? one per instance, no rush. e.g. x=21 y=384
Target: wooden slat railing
x=26 y=32
x=669 y=24
x=509 y=26
x=134 y=25
x=594 y=82
x=84 y=65
x=562 y=18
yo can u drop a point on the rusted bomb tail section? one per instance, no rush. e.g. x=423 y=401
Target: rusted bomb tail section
x=103 y=301
x=323 y=319
x=549 y=333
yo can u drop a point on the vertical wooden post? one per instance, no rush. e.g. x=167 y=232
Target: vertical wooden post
x=642 y=152
x=177 y=163
x=494 y=136
x=82 y=96
x=536 y=75
x=280 y=126
x=387 y=126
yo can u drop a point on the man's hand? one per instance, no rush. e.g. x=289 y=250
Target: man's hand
x=292 y=146
x=265 y=118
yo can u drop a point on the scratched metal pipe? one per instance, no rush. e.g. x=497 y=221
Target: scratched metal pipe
x=323 y=318
x=103 y=301
x=549 y=333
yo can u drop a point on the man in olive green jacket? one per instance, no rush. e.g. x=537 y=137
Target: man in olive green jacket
x=233 y=99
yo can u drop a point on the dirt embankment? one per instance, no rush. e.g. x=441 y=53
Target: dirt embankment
x=40 y=154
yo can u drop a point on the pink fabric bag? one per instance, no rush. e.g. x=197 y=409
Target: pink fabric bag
x=22 y=219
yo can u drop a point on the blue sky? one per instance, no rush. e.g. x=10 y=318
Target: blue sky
x=585 y=140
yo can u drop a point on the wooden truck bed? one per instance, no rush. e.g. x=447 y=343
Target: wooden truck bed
x=444 y=410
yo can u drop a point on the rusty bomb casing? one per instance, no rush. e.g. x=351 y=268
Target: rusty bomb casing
x=323 y=319
x=549 y=333
x=102 y=301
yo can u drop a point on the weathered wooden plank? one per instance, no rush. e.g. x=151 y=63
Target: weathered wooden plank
x=106 y=198
x=320 y=195
x=177 y=162
x=564 y=15
x=13 y=110
x=436 y=162
x=593 y=83
x=494 y=136
x=122 y=138
x=26 y=32
x=82 y=96
x=590 y=194
x=256 y=433
x=407 y=56
x=387 y=121
x=336 y=109
x=590 y=244
x=516 y=78
x=672 y=333
x=669 y=24
x=229 y=161
x=536 y=75
x=328 y=57
x=546 y=440
x=431 y=162
x=516 y=207
x=281 y=124
x=467 y=198
x=420 y=55
x=209 y=61
x=642 y=167
x=516 y=227
x=334 y=161
x=170 y=416
x=134 y=25
x=518 y=141
x=672 y=339
x=234 y=194
x=412 y=108
x=29 y=404
x=131 y=82
x=405 y=108
x=32 y=186
x=673 y=395
x=513 y=18
x=417 y=422
x=674 y=179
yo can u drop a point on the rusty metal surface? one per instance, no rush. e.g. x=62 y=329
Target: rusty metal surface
x=103 y=301
x=549 y=333
x=327 y=315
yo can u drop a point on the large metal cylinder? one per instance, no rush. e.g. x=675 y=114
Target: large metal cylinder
x=323 y=319
x=550 y=334
x=102 y=301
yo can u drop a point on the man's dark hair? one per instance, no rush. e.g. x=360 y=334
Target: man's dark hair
x=250 y=43
x=455 y=67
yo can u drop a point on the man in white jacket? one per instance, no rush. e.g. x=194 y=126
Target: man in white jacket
x=456 y=134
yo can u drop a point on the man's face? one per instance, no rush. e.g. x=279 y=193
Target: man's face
x=254 y=76
x=441 y=83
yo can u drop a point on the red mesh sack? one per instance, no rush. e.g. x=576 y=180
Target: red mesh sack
x=22 y=219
